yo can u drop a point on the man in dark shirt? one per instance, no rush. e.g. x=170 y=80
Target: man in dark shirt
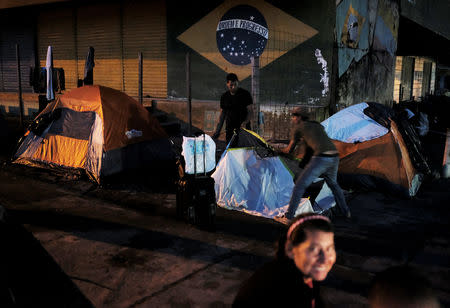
x=236 y=108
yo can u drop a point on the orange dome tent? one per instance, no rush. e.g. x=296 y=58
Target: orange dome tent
x=381 y=150
x=95 y=128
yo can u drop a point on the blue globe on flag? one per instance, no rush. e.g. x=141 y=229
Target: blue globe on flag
x=241 y=34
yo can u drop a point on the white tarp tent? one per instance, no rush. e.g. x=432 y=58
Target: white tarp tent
x=260 y=186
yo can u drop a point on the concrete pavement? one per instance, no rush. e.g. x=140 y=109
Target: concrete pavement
x=120 y=256
x=70 y=243
x=120 y=245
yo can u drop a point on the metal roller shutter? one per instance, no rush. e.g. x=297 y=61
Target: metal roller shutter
x=426 y=78
x=144 y=30
x=407 y=78
x=16 y=30
x=99 y=26
x=56 y=28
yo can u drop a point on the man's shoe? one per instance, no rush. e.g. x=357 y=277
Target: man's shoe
x=282 y=219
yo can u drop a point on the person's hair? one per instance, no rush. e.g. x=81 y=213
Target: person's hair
x=232 y=77
x=297 y=230
x=301 y=112
x=404 y=285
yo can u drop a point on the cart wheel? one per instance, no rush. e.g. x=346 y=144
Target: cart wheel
x=212 y=209
x=211 y=222
x=180 y=200
x=179 y=205
x=191 y=214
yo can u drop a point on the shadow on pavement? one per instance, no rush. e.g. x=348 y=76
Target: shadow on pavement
x=29 y=276
x=142 y=239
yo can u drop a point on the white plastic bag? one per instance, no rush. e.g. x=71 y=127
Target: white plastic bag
x=204 y=148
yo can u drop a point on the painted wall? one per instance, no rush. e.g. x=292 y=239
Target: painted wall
x=294 y=42
x=366 y=33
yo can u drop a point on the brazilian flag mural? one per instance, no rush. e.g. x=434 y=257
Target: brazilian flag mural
x=293 y=42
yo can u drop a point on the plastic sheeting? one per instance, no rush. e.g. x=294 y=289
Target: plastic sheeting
x=257 y=186
x=203 y=150
x=351 y=125
x=49 y=66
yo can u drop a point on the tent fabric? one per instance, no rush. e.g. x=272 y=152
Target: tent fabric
x=138 y=155
x=384 y=156
x=250 y=178
x=54 y=151
x=353 y=125
x=380 y=113
x=73 y=124
x=247 y=138
x=82 y=129
x=257 y=186
x=119 y=113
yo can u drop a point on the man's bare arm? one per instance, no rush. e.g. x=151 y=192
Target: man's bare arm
x=219 y=125
x=249 y=116
x=290 y=147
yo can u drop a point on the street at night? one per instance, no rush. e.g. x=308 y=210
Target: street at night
x=245 y=153
x=122 y=246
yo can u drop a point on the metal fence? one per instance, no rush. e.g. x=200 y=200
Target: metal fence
x=275 y=120
x=289 y=80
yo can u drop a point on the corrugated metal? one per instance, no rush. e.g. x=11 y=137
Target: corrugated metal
x=56 y=28
x=433 y=78
x=99 y=26
x=407 y=77
x=426 y=78
x=418 y=76
x=398 y=78
x=144 y=30
x=15 y=30
x=118 y=32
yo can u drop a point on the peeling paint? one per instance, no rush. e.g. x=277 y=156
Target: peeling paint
x=348 y=55
x=323 y=77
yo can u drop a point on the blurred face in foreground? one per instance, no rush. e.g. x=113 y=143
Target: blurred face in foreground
x=315 y=256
